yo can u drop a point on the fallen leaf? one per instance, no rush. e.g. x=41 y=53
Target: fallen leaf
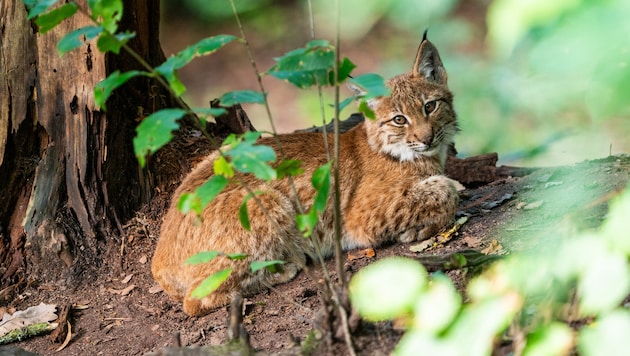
x=422 y=245
x=122 y=292
x=494 y=248
x=472 y=241
x=42 y=313
x=155 y=289
x=358 y=254
x=127 y=279
x=448 y=235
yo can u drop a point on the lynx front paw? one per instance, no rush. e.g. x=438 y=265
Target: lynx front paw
x=419 y=234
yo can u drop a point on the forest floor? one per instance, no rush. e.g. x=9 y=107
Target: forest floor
x=122 y=311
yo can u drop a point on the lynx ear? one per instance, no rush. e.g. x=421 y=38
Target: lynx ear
x=358 y=91
x=428 y=63
x=355 y=89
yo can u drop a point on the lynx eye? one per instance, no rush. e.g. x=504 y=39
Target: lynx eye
x=430 y=107
x=399 y=120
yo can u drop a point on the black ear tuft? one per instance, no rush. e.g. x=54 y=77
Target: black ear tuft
x=428 y=63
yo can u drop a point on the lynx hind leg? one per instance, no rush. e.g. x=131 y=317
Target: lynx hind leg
x=198 y=307
x=437 y=201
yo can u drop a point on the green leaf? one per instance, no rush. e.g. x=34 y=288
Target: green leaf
x=188 y=202
x=112 y=43
x=202 y=257
x=49 y=20
x=270 y=265
x=345 y=68
x=373 y=84
x=438 y=306
x=552 y=339
x=74 y=39
x=104 y=89
x=236 y=256
x=210 y=189
x=173 y=63
x=364 y=108
x=155 y=131
x=605 y=283
x=307 y=66
x=321 y=183
x=343 y=104
x=307 y=222
x=107 y=13
x=214 y=112
x=376 y=293
x=250 y=158
x=222 y=167
x=243 y=215
x=289 y=167
x=240 y=97
x=607 y=336
x=37 y=7
x=211 y=283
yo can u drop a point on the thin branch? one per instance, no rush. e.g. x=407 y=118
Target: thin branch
x=261 y=86
x=336 y=179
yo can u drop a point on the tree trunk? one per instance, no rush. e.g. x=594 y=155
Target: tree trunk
x=68 y=174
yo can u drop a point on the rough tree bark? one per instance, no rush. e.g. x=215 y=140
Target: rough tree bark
x=68 y=175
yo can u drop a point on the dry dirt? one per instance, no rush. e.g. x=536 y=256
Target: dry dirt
x=123 y=314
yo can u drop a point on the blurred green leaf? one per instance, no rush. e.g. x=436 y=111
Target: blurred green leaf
x=202 y=257
x=243 y=215
x=49 y=20
x=214 y=112
x=104 y=88
x=364 y=108
x=189 y=202
x=112 y=43
x=74 y=39
x=155 y=131
x=376 y=291
x=237 y=256
x=373 y=84
x=37 y=7
x=289 y=167
x=605 y=282
x=211 y=283
x=307 y=222
x=607 y=336
x=549 y=340
x=210 y=189
x=437 y=307
x=270 y=265
x=240 y=97
x=222 y=167
x=107 y=13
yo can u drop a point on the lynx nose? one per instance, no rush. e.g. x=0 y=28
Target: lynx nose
x=425 y=139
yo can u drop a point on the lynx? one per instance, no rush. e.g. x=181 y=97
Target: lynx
x=391 y=186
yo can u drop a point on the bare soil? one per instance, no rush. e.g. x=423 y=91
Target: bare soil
x=120 y=311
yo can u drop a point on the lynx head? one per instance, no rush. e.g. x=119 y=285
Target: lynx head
x=418 y=118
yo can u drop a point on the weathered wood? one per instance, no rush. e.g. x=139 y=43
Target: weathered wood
x=67 y=170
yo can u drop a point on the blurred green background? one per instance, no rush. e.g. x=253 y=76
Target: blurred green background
x=540 y=82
